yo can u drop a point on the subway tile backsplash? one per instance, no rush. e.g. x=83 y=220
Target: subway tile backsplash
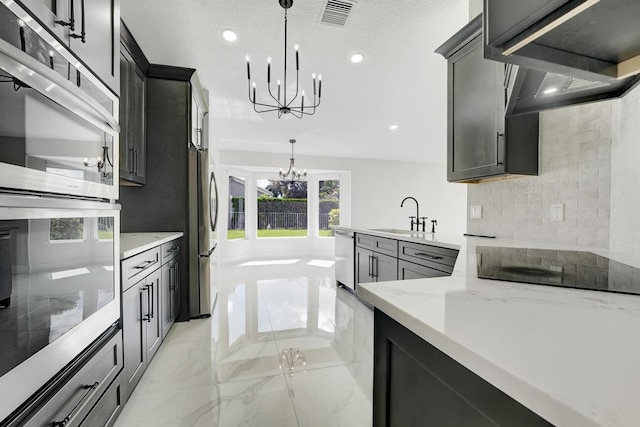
x=575 y=170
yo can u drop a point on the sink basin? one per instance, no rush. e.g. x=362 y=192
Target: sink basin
x=395 y=231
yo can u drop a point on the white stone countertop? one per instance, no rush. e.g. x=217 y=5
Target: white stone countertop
x=572 y=356
x=134 y=243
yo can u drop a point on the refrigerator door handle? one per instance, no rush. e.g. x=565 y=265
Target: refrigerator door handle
x=207 y=255
x=213 y=200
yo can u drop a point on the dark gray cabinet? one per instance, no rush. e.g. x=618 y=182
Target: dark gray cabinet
x=481 y=143
x=94 y=38
x=90 y=395
x=374 y=267
x=141 y=317
x=132 y=110
x=170 y=284
x=417 y=384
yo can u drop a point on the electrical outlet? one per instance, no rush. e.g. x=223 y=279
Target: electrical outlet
x=475 y=212
x=557 y=212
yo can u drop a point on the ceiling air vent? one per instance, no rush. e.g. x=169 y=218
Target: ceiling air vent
x=336 y=12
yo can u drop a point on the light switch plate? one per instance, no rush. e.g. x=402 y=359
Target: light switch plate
x=557 y=212
x=475 y=212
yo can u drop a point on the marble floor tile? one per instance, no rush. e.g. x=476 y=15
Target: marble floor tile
x=234 y=369
x=332 y=397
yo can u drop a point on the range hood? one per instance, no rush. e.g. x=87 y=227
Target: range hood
x=531 y=90
x=593 y=40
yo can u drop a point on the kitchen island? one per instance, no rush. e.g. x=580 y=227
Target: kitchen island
x=570 y=356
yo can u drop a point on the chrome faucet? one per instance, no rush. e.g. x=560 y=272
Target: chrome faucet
x=420 y=220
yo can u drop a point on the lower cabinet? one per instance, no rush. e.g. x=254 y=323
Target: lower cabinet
x=417 y=384
x=91 y=396
x=149 y=307
x=379 y=259
x=375 y=267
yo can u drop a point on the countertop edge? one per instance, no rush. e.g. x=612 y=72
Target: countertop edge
x=529 y=396
x=139 y=242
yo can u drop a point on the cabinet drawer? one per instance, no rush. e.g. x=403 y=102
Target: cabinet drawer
x=73 y=402
x=139 y=266
x=442 y=259
x=108 y=407
x=378 y=244
x=170 y=250
x=408 y=270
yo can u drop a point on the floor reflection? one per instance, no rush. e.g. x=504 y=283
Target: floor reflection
x=284 y=347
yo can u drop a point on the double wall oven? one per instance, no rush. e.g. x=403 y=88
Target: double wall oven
x=59 y=224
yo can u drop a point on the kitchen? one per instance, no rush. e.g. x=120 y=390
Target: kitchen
x=585 y=165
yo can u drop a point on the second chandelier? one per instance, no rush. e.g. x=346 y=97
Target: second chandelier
x=282 y=105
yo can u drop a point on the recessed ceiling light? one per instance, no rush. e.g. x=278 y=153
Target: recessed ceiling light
x=357 y=57
x=229 y=35
x=550 y=90
x=393 y=127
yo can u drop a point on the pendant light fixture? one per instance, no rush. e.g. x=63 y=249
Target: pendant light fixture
x=292 y=175
x=281 y=104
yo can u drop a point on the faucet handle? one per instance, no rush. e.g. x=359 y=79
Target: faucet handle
x=434 y=222
x=412 y=218
x=423 y=222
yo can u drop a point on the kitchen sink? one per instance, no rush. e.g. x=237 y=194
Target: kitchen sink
x=395 y=231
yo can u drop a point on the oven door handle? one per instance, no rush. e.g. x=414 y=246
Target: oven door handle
x=90 y=390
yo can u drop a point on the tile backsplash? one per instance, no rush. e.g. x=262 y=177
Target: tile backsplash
x=575 y=170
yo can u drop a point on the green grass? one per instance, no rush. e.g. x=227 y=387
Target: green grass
x=105 y=235
x=241 y=234
x=235 y=234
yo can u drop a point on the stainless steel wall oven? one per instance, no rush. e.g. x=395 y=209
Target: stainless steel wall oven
x=59 y=224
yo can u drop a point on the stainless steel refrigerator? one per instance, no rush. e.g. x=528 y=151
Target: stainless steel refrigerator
x=180 y=192
x=202 y=221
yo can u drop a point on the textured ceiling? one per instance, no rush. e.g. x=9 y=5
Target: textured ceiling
x=401 y=81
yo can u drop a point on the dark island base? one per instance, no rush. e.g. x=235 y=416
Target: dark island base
x=415 y=384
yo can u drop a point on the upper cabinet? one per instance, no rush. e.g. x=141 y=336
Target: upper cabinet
x=133 y=67
x=90 y=28
x=481 y=143
x=588 y=39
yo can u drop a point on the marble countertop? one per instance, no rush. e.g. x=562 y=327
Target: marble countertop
x=134 y=243
x=572 y=356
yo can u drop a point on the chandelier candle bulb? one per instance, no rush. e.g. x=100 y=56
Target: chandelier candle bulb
x=314 y=83
x=51 y=59
x=254 y=91
x=297 y=59
x=268 y=70
x=319 y=85
x=248 y=68
x=302 y=101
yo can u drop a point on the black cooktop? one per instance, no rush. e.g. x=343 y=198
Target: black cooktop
x=570 y=269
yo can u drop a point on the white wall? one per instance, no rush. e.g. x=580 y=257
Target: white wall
x=377 y=187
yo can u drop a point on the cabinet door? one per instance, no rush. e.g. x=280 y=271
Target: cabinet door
x=175 y=289
x=154 y=323
x=137 y=121
x=134 y=312
x=384 y=267
x=126 y=156
x=364 y=265
x=99 y=50
x=409 y=270
x=476 y=114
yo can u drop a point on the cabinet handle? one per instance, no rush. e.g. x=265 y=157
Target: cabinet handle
x=370 y=271
x=498 y=136
x=173 y=249
x=72 y=20
x=145 y=264
x=82 y=34
x=90 y=389
x=422 y=254
x=146 y=317
x=135 y=161
x=151 y=303
x=375 y=271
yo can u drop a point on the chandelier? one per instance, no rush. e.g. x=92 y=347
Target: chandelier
x=292 y=175
x=281 y=104
x=289 y=358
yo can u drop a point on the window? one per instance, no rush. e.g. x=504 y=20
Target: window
x=282 y=208
x=237 y=198
x=329 y=206
x=66 y=229
x=105 y=228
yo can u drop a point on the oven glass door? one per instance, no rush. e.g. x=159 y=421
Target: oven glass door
x=59 y=288
x=46 y=147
